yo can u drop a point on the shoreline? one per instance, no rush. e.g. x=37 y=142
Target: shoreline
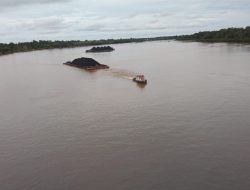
x=31 y=46
x=229 y=35
x=178 y=40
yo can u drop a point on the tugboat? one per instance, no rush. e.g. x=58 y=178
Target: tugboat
x=140 y=79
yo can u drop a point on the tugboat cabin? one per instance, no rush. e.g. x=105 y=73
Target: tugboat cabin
x=140 y=79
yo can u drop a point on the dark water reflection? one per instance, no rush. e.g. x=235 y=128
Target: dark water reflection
x=65 y=128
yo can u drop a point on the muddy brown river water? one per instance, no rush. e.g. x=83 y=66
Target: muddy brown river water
x=62 y=128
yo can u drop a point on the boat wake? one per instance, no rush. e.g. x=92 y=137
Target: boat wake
x=119 y=73
x=128 y=75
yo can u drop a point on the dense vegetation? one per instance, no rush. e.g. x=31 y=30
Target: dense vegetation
x=40 y=45
x=241 y=35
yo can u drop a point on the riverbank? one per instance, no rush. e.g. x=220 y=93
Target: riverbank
x=229 y=35
x=11 y=48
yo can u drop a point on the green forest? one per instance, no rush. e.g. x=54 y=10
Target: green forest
x=238 y=35
x=41 y=45
x=241 y=35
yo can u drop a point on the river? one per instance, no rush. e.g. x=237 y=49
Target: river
x=65 y=128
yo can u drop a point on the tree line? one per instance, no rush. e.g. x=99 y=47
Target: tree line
x=41 y=45
x=241 y=35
